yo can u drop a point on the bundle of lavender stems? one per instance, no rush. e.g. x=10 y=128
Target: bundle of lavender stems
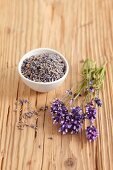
x=68 y=115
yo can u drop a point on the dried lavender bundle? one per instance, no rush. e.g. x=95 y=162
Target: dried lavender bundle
x=43 y=68
x=71 y=117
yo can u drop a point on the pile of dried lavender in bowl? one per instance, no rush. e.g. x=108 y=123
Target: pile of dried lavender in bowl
x=47 y=67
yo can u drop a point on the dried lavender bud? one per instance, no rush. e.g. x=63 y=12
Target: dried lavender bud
x=22 y=101
x=91 y=133
x=43 y=68
x=35 y=112
x=33 y=126
x=20 y=125
x=25 y=101
x=29 y=114
x=98 y=101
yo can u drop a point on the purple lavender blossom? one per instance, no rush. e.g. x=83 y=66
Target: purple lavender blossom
x=72 y=122
x=91 y=133
x=58 y=111
x=90 y=111
x=98 y=101
x=76 y=110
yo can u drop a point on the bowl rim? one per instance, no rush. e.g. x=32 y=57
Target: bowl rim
x=36 y=50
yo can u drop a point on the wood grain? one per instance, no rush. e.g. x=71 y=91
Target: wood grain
x=78 y=29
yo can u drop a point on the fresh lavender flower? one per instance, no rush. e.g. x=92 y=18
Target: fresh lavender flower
x=90 y=111
x=91 y=133
x=77 y=112
x=58 y=111
x=72 y=122
x=76 y=127
x=98 y=101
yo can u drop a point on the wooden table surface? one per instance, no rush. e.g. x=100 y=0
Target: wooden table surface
x=78 y=29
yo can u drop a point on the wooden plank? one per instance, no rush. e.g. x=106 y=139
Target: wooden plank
x=77 y=29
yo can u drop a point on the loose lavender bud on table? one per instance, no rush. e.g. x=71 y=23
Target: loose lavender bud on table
x=91 y=133
x=43 y=68
x=76 y=110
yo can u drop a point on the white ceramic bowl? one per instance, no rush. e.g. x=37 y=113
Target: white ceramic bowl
x=41 y=86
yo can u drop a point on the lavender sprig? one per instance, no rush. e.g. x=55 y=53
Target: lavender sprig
x=91 y=133
x=70 y=117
